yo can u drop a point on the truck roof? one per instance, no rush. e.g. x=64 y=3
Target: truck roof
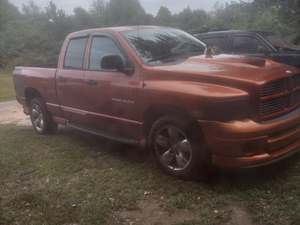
x=234 y=32
x=111 y=29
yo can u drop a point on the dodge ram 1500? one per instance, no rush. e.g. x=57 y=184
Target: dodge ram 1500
x=158 y=87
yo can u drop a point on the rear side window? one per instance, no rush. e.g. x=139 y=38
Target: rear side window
x=220 y=43
x=75 y=53
x=102 y=46
x=247 y=45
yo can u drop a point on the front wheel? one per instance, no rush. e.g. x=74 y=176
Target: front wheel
x=40 y=118
x=179 y=149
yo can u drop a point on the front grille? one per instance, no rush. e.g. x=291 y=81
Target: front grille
x=296 y=96
x=273 y=106
x=297 y=80
x=273 y=88
x=278 y=97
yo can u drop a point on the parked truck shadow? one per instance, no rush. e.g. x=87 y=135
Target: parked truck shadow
x=125 y=151
x=135 y=154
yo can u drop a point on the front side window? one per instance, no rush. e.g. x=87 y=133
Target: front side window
x=75 y=53
x=161 y=45
x=248 y=45
x=102 y=46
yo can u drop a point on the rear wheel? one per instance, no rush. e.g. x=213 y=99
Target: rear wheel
x=40 y=118
x=179 y=149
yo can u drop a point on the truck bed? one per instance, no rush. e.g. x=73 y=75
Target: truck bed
x=28 y=79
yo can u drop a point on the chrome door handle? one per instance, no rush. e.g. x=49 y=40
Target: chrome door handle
x=62 y=79
x=92 y=82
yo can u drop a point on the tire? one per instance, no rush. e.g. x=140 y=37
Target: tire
x=179 y=148
x=41 y=119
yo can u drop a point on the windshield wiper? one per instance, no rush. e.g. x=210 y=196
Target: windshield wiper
x=165 y=57
x=174 y=56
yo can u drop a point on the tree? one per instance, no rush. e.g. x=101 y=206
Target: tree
x=8 y=12
x=192 y=20
x=234 y=15
x=98 y=11
x=286 y=13
x=82 y=19
x=8 y=15
x=164 y=17
x=125 y=12
x=34 y=35
x=57 y=27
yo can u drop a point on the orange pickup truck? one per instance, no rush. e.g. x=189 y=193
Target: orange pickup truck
x=160 y=88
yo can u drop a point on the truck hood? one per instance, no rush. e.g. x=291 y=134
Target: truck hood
x=226 y=67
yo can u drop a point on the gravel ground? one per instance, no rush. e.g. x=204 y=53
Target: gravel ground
x=12 y=113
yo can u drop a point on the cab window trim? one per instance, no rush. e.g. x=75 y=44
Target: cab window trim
x=84 y=54
x=118 y=45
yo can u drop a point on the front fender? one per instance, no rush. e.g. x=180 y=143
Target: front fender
x=202 y=100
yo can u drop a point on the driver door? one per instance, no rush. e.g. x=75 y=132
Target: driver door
x=110 y=95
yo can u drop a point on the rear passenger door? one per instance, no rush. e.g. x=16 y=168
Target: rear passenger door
x=71 y=82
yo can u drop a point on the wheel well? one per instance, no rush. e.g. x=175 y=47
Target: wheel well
x=31 y=93
x=155 y=112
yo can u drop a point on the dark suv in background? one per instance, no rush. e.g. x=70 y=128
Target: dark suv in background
x=253 y=43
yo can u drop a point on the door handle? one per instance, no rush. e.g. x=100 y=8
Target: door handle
x=62 y=79
x=92 y=82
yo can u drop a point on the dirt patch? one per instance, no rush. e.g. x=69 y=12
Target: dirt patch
x=239 y=216
x=12 y=113
x=150 y=212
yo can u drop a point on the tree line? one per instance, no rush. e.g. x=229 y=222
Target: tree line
x=34 y=35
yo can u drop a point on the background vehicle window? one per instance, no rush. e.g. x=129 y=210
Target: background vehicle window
x=102 y=46
x=75 y=53
x=248 y=45
x=220 y=43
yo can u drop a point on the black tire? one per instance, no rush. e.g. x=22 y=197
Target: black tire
x=40 y=118
x=197 y=159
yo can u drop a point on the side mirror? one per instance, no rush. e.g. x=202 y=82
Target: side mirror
x=116 y=62
x=112 y=62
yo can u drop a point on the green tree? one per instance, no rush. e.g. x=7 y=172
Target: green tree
x=285 y=14
x=98 y=11
x=8 y=15
x=8 y=12
x=82 y=19
x=34 y=35
x=164 y=17
x=58 y=25
x=125 y=12
x=192 y=20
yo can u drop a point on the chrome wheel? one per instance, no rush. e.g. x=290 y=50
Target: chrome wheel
x=173 y=148
x=37 y=118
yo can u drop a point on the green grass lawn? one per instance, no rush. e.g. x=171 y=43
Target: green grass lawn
x=7 y=91
x=72 y=178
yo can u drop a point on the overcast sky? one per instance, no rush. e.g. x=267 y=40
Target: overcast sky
x=150 y=6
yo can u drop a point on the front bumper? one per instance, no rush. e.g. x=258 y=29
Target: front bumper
x=246 y=144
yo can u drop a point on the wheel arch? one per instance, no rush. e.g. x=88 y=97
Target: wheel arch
x=31 y=93
x=154 y=112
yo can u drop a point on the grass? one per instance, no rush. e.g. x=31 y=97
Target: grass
x=72 y=178
x=7 y=91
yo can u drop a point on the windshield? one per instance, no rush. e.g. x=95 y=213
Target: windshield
x=280 y=43
x=162 y=45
